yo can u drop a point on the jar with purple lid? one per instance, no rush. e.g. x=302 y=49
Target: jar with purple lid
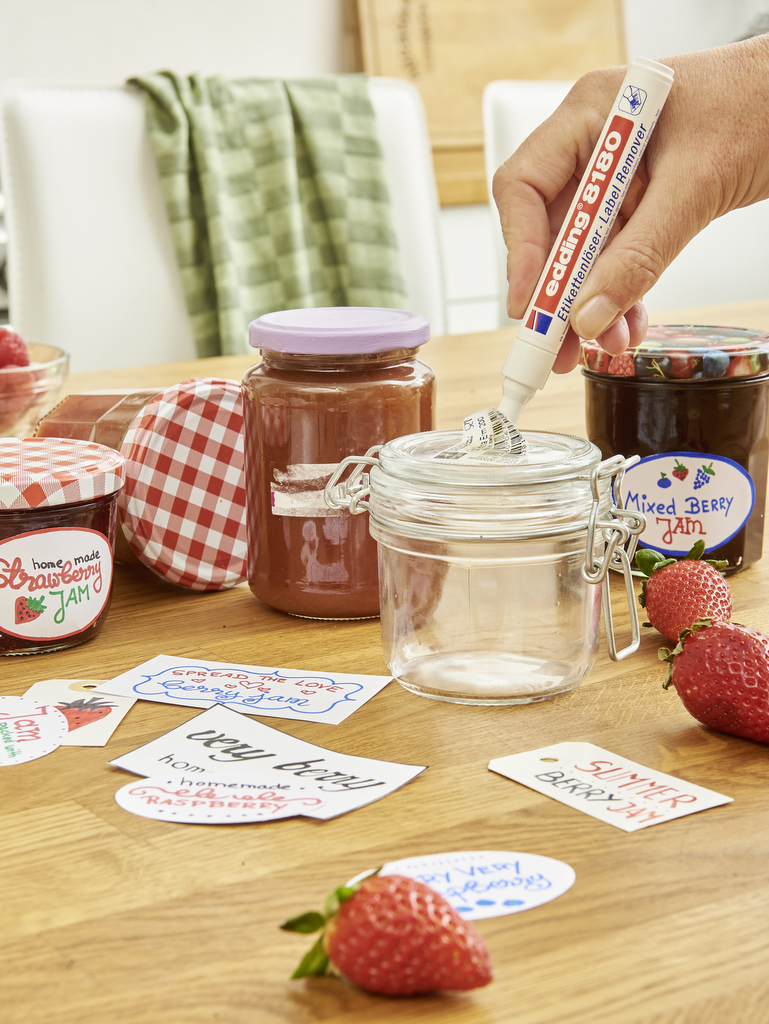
x=692 y=401
x=331 y=382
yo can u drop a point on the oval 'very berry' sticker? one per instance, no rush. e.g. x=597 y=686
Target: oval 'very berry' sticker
x=488 y=883
x=688 y=496
x=28 y=729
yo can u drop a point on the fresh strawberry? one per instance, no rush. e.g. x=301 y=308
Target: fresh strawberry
x=82 y=712
x=721 y=673
x=395 y=936
x=622 y=366
x=27 y=609
x=13 y=349
x=678 y=593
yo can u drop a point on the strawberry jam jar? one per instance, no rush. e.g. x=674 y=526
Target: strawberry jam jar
x=331 y=382
x=58 y=514
x=692 y=402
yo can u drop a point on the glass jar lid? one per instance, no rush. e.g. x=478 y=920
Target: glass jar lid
x=338 y=330
x=685 y=353
x=420 y=487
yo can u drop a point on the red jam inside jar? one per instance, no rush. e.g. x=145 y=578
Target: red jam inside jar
x=331 y=383
x=58 y=516
x=693 y=402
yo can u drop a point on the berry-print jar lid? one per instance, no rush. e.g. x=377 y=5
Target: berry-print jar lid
x=39 y=472
x=183 y=507
x=686 y=353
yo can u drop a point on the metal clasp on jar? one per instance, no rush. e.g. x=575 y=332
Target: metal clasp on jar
x=353 y=492
x=620 y=533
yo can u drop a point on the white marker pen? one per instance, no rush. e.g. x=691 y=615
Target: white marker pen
x=584 y=231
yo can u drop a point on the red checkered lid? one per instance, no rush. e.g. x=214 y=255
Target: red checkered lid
x=37 y=472
x=183 y=507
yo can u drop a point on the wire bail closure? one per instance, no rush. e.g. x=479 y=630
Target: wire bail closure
x=353 y=492
x=620 y=533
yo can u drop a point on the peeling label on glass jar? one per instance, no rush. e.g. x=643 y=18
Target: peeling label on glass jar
x=53 y=583
x=487 y=436
x=689 y=496
x=298 y=491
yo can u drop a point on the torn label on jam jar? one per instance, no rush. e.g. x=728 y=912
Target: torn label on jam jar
x=57 y=533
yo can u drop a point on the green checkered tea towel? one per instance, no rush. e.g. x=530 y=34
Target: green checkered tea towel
x=276 y=195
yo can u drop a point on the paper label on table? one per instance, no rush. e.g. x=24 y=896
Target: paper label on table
x=606 y=786
x=251 y=689
x=91 y=718
x=28 y=729
x=223 y=741
x=488 y=883
x=213 y=800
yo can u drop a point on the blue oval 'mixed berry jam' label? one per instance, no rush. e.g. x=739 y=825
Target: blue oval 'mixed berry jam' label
x=689 y=496
x=53 y=583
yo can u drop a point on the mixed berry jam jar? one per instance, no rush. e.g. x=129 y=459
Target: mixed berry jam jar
x=331 y=382
x=692 y=401
x=58 y=513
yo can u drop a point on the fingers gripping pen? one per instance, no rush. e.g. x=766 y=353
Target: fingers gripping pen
x=584 y=231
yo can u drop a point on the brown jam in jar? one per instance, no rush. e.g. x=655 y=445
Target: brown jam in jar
x=58 y=517
x=693 y=403
x=331 y=383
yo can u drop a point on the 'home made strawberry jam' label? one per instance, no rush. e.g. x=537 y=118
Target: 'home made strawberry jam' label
x=53 y=583
x=689 y=496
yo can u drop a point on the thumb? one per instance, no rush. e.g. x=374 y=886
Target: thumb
x=631 y=262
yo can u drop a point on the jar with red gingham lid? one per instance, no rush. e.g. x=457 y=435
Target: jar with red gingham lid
x=58 y=514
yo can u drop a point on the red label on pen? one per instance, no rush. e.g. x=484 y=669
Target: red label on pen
x=577 y=229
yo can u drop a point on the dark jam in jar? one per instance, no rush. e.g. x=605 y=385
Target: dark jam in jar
x=692 y=402
x=56 y=553
x=331 y=383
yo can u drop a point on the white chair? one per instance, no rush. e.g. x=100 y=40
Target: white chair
x=91 y=264
x=727 y=262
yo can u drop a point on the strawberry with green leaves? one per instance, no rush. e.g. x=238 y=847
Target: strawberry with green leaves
x=721 y=673
x=394 y=936
x=679 y=592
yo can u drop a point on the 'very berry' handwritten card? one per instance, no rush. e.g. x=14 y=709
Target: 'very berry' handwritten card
x=252 y=689
x=222 y=741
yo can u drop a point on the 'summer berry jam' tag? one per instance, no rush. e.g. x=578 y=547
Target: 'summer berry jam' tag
x=252 y=689
x=28 y=729
x=91 y=718
x=488 y=883
x=224 y=742
x=606 y=786
x=688 y=496
x=53 y=583
x=213 y=800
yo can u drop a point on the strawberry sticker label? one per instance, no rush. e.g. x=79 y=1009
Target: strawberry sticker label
x=28 y=729
x=53 y=583
x=689 y=496
x=251 y=689
x=606 y=786
x=91 y=718
x=488 y=883
x=215 y=800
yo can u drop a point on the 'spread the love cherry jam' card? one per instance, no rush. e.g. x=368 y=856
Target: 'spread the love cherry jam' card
x=215 y=800
x=223 y=741
x=605 y=785
x=252 y=689
x=91 y=718
x=488 y=883
x=28 y=729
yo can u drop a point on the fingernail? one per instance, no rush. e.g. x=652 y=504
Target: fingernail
x=595 y=316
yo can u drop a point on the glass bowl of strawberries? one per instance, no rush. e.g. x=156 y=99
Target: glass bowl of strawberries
x=31 y=378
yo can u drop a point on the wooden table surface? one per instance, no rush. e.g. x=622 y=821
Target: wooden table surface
x=107 y=917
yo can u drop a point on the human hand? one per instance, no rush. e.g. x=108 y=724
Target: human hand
x=708 y=154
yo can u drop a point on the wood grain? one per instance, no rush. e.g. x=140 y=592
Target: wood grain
x=111 y=917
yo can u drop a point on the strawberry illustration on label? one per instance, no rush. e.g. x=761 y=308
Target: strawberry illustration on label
x=28 y=608
x=680 y=472
x=82 y=712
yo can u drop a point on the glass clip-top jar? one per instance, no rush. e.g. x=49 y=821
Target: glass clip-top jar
x=491 y=571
